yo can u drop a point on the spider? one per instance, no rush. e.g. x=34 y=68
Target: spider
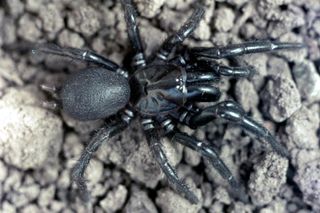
x=162 y=91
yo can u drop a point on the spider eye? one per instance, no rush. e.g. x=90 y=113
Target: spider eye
x=94 y=93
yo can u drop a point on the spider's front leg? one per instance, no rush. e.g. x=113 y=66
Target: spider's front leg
x=184 y=32
x=233 y=112
x=241 y=49
x=111 y=128
x=133 y=33
x=206 y=65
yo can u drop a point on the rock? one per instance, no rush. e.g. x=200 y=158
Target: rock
x=69 y=39
x=281 y=98
x=3 y=172
x=301 y=157
x=149 y=8
x=248 y=30
x=207 y=193
x=239 y=207
x=267 y=178
x=8 y=207
x=202 y=32
x=72 y=146
x=308 y=180
x=85 y=20
x=30 y=135
x=246 y=94
x=170 y=201
x=278 y=67
x=114 y=199
x=181 y=4
x=94 y=172
x=224 y=19
x=57 y=206
x=139 y=202
x=170 y=20
x=278 y=206
x=12 y=181
x=45 y=176
x=221 y=195
x=46 y=196
x=15 y=7
x=24 y=195
x=34 y=5
x=152 y=37
x=8 y=34
x=51 y=17
x=307 y=80
x=8 y=71
x=259 y=63
x=31 y=208
x=29 y=28
x=301 y=130
x=192 y=157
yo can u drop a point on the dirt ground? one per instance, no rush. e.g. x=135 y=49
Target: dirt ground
x=38 y=147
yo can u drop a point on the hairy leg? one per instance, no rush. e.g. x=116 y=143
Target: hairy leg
x=156 y=148
x=241 y=49
x=104 y=133
x=208 y=152
x=133 y=33
x=184 y=32
x=79 y=54
x=233 y=112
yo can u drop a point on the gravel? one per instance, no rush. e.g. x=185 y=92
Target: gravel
x=39 y=147
x=281 y=97
x=267 y=178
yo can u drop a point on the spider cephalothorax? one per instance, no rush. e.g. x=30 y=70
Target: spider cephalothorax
x=161 y=91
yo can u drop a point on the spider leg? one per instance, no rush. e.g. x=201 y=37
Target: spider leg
x=79 y=54
x=199 y=88
x=202 y=93
x=209 y=153
x=241 y=49
x=176 y=39
x=233 y=112
x=206 y=66
x=221 y=70
x=111 y=128
x=133 y=33
x=156 y=149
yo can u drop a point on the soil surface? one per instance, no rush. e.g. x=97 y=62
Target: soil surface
x=39 y=147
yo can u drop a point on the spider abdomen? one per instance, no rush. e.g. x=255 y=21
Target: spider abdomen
x=94 y=93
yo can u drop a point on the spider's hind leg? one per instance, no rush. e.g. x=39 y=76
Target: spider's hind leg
x=111 y=128
x=156 y=148
x=233 y=112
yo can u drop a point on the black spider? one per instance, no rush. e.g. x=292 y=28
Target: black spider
x=161 y=90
